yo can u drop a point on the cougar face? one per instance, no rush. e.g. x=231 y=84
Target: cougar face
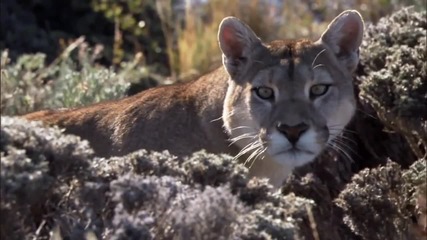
x=287 y=100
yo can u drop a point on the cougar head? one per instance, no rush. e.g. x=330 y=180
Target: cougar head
x=288 y=100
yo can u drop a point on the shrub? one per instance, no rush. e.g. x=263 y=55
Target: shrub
x=393 y=78
x=73 y=79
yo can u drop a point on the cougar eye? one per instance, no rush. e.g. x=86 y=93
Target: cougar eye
x=318 y=90
x=264 y=93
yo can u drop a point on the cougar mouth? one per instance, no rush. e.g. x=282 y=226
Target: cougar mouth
x=294 y=157
x=294 y=151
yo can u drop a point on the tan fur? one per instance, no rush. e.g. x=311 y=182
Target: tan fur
x=221 y=107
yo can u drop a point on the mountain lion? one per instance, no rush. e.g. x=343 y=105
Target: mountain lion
x=276 y=105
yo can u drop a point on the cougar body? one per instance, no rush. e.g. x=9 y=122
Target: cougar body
x=274 y=105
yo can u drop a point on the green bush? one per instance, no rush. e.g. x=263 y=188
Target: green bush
x=73 y=79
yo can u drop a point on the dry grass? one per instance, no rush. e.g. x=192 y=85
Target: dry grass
x=193 y=48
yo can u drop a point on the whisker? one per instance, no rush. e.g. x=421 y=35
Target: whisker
x=350 y=149
x=258 y=61
x=244 y=150
x=262 y=151
x=339 y=128
x=349 y=131
x=314 y=61
x=339 y=143
x=241 y=137
x=244 y=135
x=347 y=139
x=241 y=127
x=318 y=65
x=339 y=133
x=247 y=149
x=216 y=119
x=340 y=151
x=229 y=115
x=253 y=155
x=367 y=114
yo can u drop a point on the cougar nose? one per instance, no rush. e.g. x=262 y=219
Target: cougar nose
x=292 y=133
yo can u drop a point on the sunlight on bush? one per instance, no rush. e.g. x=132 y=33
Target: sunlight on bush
x=73 y=79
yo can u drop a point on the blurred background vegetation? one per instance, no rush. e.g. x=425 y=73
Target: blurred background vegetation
x=71 y=53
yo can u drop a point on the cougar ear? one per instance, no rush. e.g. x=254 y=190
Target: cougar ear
x=236 y=40
x=344 y=36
